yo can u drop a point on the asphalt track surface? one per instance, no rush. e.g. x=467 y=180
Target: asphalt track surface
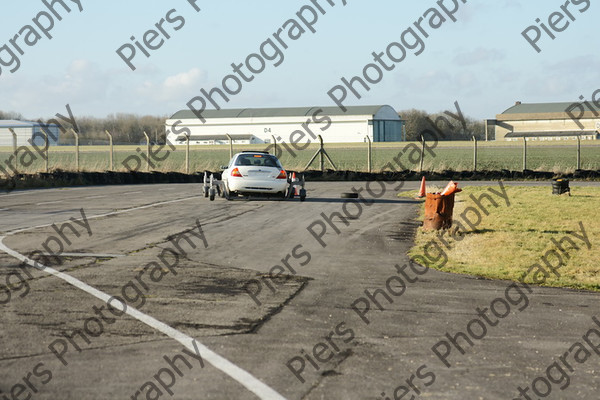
x=201 y=306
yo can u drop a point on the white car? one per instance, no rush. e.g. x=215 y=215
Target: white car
x=257 y=172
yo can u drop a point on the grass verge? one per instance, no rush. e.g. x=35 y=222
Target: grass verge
x=513 y=239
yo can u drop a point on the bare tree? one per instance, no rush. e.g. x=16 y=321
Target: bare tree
x=10 y=115
x=416 y=122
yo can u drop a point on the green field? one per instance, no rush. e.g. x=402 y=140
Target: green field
x=458 y=156
x=512 y=238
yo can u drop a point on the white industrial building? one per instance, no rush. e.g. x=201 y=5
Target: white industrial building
x=28 y=133
x=290 y=125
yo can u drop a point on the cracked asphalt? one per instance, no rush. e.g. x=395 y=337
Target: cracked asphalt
x=301 y=319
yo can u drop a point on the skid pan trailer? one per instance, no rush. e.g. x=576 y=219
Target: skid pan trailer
x=296 y=187
x=213 y=187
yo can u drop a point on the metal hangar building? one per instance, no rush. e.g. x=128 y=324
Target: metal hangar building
x=290 y=125
x=28 y=133
x=547 y=121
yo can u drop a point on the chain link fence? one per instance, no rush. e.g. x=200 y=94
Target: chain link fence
x=559 y=156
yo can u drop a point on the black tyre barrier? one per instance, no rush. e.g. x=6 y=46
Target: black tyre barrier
x=60 y=178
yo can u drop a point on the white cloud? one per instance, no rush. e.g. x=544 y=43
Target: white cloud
x=478 y=56
x=516 y=4
x=184 y=79
x=91 y=90
x=81 y=83
x=565 y=80
x=180 y=87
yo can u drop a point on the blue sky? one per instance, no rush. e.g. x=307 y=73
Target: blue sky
x=482 y=60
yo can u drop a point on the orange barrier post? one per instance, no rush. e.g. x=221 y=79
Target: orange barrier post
x=439 y=208
x=438 y=211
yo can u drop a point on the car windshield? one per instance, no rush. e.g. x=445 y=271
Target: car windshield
x=258 y=160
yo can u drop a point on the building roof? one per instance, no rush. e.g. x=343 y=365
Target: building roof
x=11 y=123
x=551 y=133
x=532 y=111
x=541 y=108
x=216 y=137
x=278 y=112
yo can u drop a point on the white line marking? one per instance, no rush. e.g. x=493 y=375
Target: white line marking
x=49 y=202
x=109 y=214
x=4 y=209
x=95 y=197
x=14 y=194
x=133 y=192
x=243 y=377
x=372 y=225
x=36 y=191
x=87 y=255
x=246 y=379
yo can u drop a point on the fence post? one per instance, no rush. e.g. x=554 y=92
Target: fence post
x=76 y=149
x=486 y=127
x=14 y=135
x=111 y=157
x=47 y=147
x=474 y=153
x=422 y=153
x=147 y=152
x=230 y=145
x=274 y=145
x=322 y=153
x=321 y=157
x=524 y=153
x=369 y=157
x=187 y=154
x=578 y=152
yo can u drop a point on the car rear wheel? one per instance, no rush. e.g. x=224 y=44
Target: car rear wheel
x=226 y=192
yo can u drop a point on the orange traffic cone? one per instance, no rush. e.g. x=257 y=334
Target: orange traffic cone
x=295 y=187
x=422 y=190
x=452 y=187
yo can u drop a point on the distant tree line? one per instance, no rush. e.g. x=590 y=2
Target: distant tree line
x=418 y=121
x=129 y=128
x=125 y=128
x=10 y=115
